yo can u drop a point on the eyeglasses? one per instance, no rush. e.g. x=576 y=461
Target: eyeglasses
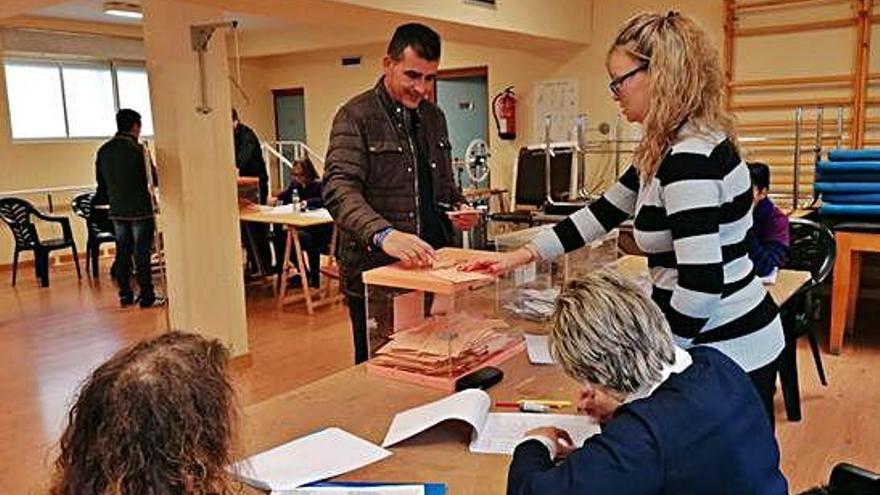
x=617 y=82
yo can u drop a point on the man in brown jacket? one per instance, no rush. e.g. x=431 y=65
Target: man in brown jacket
x=388 y=179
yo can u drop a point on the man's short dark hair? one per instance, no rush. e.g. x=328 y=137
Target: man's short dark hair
x=422 y=39
x=760 y=173
x=126 y=119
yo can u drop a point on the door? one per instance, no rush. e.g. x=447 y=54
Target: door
x=290 y=122
x=463 y=97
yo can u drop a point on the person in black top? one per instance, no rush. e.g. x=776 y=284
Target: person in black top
x=121 y=172
x=314 y=240
x=249 y=162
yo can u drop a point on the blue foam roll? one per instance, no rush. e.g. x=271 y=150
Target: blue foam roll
x=857 y=198
x=851 y=210
x=826 y=167
x=847 y=187
x=847 y=177
x=853 y=155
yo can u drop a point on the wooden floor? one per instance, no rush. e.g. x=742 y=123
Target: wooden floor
x=50 y=339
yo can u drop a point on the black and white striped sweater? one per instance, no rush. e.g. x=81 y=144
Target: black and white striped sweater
x=691 y=220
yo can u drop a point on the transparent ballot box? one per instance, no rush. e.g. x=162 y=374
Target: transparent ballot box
x=530 y=292
x=431 y=326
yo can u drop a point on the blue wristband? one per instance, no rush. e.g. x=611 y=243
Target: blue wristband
x=380 y=236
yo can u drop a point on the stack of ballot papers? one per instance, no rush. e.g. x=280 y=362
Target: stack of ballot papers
x=321 y=455
x=538 y=348
x=494 y=433
x=446 y=345
x=532 y=304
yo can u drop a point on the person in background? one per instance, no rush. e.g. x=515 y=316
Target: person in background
x=689 y=193
x=388 y=181
x=674 y=421
x=306 y=183
x=121 y=174
x=769 y=236
x=157 y=418
x=249 y=162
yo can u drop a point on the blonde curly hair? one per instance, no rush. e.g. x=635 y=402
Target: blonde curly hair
x=686 y=82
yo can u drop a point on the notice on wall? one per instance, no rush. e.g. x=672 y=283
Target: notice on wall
x=560 y=99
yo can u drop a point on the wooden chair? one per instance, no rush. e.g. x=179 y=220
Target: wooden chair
x=812 y=249
x=98 y=226
x=17 y=214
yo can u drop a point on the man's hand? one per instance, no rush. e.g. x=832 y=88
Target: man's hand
x=465 y=218
x=498 y=263
x=597 y=403
x=560 y=438
x=409 y=249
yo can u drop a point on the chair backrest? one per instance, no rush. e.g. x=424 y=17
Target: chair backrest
x=531 y=176
x=81 y=204
x=811 y=248
x=16 y=212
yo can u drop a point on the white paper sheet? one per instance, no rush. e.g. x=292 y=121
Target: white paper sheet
x=538 y=348
x=502 y=432
x=357 y=490
x=770 y=278
x=320 y=213
x=470 y=405
x=321 y=455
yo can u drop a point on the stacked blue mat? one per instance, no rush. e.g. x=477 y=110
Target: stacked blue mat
x=849 y=182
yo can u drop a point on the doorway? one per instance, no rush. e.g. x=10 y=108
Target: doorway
x=463 y=96
x=290 y=122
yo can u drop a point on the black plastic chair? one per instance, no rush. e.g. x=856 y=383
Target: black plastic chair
x=17 y=214
x=812 y=249
x=98 y=225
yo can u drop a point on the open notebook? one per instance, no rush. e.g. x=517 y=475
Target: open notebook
x=494 y=433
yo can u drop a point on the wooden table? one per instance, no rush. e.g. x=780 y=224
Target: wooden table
x=845 y=288
x=292 y=221
x=365 y=404
x=787 y=282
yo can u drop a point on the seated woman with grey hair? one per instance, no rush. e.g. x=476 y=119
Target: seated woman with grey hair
x=674 y=421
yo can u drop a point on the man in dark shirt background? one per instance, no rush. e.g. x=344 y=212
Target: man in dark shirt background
x=249 y=162
x=121 y=173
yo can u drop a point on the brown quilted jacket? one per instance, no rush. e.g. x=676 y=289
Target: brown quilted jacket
x=370 y=177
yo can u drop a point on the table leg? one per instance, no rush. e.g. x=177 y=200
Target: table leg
x=301 y=268
x=840 y=292
x=853 y=296
x=284 y=274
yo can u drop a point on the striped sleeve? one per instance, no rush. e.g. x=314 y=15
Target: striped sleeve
x=691 y=191
x=590 y=223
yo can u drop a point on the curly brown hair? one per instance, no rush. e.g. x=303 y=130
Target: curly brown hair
x=157 y=418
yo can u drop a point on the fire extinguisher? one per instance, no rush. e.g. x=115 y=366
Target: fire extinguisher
x=504 y=111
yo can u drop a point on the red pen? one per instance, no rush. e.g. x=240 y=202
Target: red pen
x=507 y=404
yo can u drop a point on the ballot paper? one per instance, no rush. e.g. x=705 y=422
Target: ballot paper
x=494 y=433
x=321 y=455
x=538 y=348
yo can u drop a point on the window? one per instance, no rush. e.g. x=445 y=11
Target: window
x=88 y=96
x=59 y=100
x=134 y=93
x=36 y=102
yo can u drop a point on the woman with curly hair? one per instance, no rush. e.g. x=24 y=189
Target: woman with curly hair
x=156 y=419
x=689 y=192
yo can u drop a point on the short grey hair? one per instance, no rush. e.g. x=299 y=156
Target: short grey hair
x=607 y=332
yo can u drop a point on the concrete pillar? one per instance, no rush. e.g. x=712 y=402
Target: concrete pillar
x=197 y=174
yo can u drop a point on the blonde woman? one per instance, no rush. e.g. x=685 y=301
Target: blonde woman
x=690 y=194
x=690 y=422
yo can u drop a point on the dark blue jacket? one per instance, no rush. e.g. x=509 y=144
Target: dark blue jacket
x=703 y=431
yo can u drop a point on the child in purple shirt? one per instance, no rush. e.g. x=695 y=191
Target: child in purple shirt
x=768 y=239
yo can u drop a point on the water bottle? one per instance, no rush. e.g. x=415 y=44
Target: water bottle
x=294 y=198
